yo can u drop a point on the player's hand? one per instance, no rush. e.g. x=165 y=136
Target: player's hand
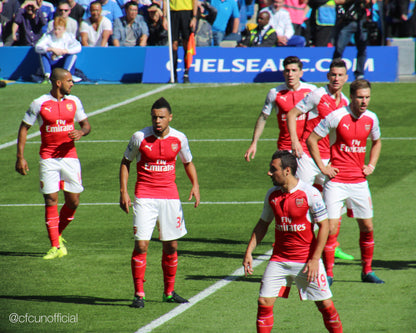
x=297 y=149
x=76 y=134
x=250 y=153
x=125 y=202
x=21 y=166
x=248 y=264
x=195 y=193
x=312 y=268
x=368 y=169
x=330 y=171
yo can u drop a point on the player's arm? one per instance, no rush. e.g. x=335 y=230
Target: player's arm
x=257 y=236
x=125 y=202
x=312 y=143
x=21 y=164
x=85 y=130
x=374 y=156
x=291 y=125
x=312 y=266
x=258 y=130
x=193 y=177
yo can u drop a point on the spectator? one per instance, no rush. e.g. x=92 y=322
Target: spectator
x=27 y=25
x=226 y=9
x=57 y=48
x=206 y=17
x=48 y=12
x=10 y=8
x=400 y=18
x=77 y=11
x=131 y=29
x=63 y=10
x=110 y=9
x=5 y=28
x=297 y=10
x=351 y=20
x=158 y=35
x=84 y=4
x=96 y=30
x=263 y=4
x=263 y=35
x=280 y=21
x=322 y=22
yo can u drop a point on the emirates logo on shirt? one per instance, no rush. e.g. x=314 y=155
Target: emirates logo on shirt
x=299 y=202
x=174 y=146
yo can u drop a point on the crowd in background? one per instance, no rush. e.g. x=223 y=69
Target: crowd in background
x=59 y=28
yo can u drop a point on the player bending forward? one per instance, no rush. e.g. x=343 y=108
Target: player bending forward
x=296 y=257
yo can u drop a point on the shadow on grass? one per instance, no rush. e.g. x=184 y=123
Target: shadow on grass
x=223 y=277
x=74 y=299
x=21 y=254
x=387 y=264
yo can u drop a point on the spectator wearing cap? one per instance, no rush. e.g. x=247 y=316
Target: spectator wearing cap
x=131 y=29
x=158 y=35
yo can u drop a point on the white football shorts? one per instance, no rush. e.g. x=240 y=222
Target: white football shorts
x=279 y=277
x=55 y=171
x=357 y=198
x=167 y=213
x=309 y=172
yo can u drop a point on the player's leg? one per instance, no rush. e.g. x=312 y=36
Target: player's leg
x=174 y=15
x=186 y=17
x=145 y=213
x=265 y=317
x=367 y=250
x=330 y=315
x=171 y=228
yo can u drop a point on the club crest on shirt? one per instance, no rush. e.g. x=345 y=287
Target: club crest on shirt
x=367 y=127
x=70 y=107
x=299 y=202
x=174 y=146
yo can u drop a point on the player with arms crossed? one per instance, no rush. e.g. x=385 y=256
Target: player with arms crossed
x=317 y=105
x=349 y=128
x=296 y=207
x=60 y=168
x=155 y=149
x=282 y=98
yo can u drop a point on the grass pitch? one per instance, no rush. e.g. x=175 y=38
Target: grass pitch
x=90 y=289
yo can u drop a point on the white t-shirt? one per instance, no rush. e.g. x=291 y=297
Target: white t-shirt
x=95 y=37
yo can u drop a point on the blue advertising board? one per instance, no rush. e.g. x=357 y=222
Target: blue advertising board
x=215 y=64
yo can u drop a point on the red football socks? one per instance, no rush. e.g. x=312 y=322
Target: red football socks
x=331 y=319
x=367 y=250
x=265 y=318
x=328 y=255
x=169 y=266
x=52 y=224
x=66 y=216
x=138 y=269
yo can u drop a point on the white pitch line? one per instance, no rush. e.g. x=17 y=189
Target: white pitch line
x=102 y=110
x=116 y=203
x=202 y=295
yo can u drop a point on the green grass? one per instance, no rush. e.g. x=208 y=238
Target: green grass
x=94 y=281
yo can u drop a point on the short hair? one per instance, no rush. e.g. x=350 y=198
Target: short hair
x=293 y=60
x=338 y=63
x=63 y=2
x=96 y=3
x=58 y=74
x=129 y=4
x=288 y=160
x=161 y=103
x=59 y=21
x=359 y=84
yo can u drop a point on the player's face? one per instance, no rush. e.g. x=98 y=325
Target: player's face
x=292 y=74
x=337 y=77
x=360 y=101
x=276 y=173
x=65 y=84
x=160 y=121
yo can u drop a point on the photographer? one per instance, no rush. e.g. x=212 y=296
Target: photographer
x=351 y=20
x=27 y=25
